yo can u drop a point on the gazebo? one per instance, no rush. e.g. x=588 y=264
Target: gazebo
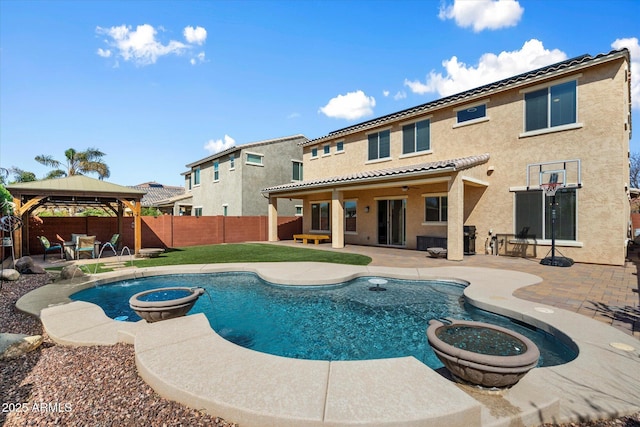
x=76 y=190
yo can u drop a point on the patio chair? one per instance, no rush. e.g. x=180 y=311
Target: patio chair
x=113 y=243
x=48 y=247
x=86 y=244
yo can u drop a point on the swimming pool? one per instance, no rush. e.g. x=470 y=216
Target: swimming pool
x=338 y=322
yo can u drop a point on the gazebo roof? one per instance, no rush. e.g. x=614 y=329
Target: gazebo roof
x=76 y=185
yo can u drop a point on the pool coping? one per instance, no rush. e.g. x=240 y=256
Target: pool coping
x=256 y=389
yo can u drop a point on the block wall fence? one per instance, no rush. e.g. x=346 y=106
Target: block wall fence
x=166 y=231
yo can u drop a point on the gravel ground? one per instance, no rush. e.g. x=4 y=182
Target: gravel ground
x=98 y=386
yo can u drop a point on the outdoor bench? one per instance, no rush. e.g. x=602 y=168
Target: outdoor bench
x=306 y=237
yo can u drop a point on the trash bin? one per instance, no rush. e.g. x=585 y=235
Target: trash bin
x=469 y=239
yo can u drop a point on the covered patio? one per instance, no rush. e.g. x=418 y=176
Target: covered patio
x=73 y=191
x=390 y=207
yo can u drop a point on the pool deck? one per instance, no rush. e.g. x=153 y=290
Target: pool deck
x=185 y=360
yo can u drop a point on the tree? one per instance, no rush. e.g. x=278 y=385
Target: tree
x=634 y=170
x=77 y=163
x=20 y=175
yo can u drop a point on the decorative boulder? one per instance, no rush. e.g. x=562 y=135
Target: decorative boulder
x=71 y=271
x=25 y=265
x=15 y=345
x=10 y=274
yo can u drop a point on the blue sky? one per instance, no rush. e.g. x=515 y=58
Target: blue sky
x=159 y=84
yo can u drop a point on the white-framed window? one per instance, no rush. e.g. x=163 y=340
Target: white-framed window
x=379 y=145
x=314 y=152
x=187 y=178
x=551 y=106
x=232 y=162
x=471 y=114
x=416 y=137
x=435 y=208
x=216 y=171
x=196 y=176
x=326 y=150
x=350 y=216
x=533 y=215
x=297 y=170
x=340 y=147
x=320 y=215
x=298 y=210
x=255 y=159
x=197 y=211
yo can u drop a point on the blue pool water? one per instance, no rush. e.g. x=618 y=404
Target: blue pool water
x=339 y=322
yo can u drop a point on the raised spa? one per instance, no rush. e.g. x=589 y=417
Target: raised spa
x=481 y=353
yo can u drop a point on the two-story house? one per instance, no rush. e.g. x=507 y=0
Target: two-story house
x=229 y=182
x=480 y=159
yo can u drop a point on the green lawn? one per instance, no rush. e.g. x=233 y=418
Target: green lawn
x=245 y=252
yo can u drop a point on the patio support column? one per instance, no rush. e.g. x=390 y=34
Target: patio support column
x=273 y=219
x=137 y=226
x=337 y=219
x=455 y=219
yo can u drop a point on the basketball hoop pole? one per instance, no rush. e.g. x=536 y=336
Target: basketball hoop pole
x=562 y=261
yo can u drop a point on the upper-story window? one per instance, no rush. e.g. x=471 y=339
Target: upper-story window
x=415 y=137
x=339 y=147
x=326 y=150
x=380 y=145
x=216 y=170
x=254 y=159
x=551 y=106
x=297 y=170
x=314 y=152
x=188 y=179
x=475 y=112
x=196 y=176
x=232 y=162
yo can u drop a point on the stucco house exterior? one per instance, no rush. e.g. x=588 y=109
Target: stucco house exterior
x=229 y=182
x=431 y=174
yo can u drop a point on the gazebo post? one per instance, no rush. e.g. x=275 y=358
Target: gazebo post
x=138 y=226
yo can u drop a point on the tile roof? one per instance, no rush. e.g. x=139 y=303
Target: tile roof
x=156 y=192
x=245 y=146
x=397 y=172
x=524 y=78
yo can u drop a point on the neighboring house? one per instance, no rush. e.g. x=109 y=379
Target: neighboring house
x=479 y=159
x=229 y=182
x=157 y=193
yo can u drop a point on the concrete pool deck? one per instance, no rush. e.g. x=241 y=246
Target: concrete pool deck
x=185 y=360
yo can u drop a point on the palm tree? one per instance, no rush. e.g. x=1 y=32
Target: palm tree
x=77 y=163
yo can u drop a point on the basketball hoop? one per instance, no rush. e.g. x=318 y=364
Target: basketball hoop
x=550 y=189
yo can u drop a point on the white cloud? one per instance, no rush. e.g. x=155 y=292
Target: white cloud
x=216 y=146
x=483 y=14
x=142 y=47
x=385 y=93
x=196 y=35
x=491 y=67
x=400 y=95
x=198 y=58
x=634 y=50
x=293 y=116
x=353 y=105
x=104 y=53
